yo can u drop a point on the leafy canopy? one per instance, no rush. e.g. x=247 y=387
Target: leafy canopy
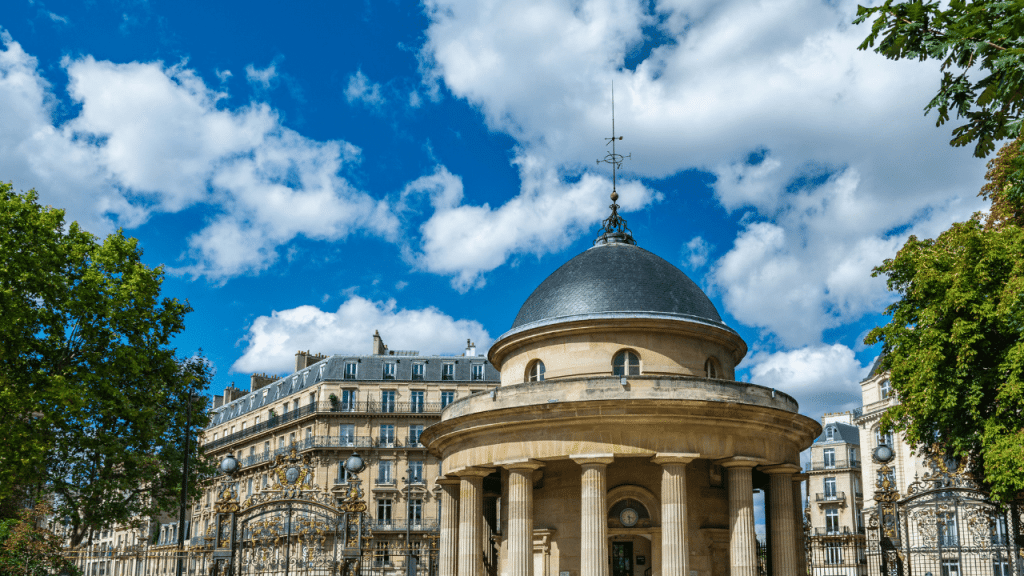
x=980 y=45
x=94 y=397
x=955 y=348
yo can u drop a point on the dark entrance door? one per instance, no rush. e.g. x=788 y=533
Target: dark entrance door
x=622 y=559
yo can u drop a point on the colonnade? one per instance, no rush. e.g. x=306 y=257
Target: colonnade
x=462 y=517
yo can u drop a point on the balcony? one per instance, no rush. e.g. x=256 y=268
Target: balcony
x=413 y=442
x=835 y=464
x=368 y=407
x=830 y=497
x=402 y=525
x=842 y=531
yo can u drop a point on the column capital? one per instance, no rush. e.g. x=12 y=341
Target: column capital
x=781 y=469
x=524 y=464
x=446 y=481
x=583 y=459
x=739 y=462
x=471 y=472
x=663 y=458
x=801 y=477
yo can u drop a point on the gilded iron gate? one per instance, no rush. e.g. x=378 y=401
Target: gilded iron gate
x=944 y=526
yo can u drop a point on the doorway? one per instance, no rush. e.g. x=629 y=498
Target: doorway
x=622 y=559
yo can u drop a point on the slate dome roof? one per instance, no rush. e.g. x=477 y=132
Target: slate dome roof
x=616 y=280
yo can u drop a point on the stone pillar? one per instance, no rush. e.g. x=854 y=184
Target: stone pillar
x=448 y=546
x=520 y=517
x=781 y=523
x=742 y=542
x=593 y=520
x=675 y=537
x=471 y=518
x=798 y=523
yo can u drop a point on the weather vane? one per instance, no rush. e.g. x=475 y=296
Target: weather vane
x=614 y=227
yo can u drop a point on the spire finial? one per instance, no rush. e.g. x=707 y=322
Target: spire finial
x=613 y=229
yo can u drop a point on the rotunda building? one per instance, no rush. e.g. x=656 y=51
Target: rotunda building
x=619 y=442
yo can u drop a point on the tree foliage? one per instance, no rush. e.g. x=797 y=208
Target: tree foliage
x=980 y=45
x=28 y=549
x=955 y=348
x=94 y=397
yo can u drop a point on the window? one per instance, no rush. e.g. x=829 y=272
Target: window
x=832 y=521
x=347 y=435
x=853 y=457
x=387 y=400
x=214 y=435
x=387 y=435
x=343 y=473
x=833 y=553
x=883 y=438
x=950 y=568
x=830 y=457
x=415 y=511
x=1000 y=568
x=478 y=371
x=265 y=481
x=266 y=447
x=295 y=405
x=414 y=434
x=999 y=537
x=309 y=437
x=348 y=400
x=416 y=401
x=415 y=471
x=830 y=488
x=447 y=397
x=284 y=409
x=280 y=443
x=626 y=363
x=257 y=423
x=291 y=439
x=389 y=370
x=448 y=371
x=860 y=519
x=535 y=371
x=417 y=371
x=385 y=472
x=350 y=371
x=947 y=530
x=384 y=509
x=312 y=398
x=830 y=433
x=711 y=368
x=886 y=389
x=252 y=453
x=250 y=486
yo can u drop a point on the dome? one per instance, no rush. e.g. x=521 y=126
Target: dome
x=616 y=280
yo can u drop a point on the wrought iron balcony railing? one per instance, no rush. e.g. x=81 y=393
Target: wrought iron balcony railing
x=400 y=525
x=366 y=407
x=835 y=464
x=830 y=497
x=840 y=531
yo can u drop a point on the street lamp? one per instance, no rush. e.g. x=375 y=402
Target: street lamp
x=229 y=465
x=355 y=463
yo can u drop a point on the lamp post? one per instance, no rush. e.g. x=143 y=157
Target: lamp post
x=184 y=486
x=410 y=569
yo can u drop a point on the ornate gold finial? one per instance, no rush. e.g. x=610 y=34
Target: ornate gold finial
x=613 y=228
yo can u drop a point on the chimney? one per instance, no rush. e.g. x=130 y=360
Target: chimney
x=470 y=348
x=305 y=359
x=218 y=401
x=257 y=381
x=231 y=393
x=379 y=348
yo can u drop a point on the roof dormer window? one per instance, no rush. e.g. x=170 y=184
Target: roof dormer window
x=830 y=433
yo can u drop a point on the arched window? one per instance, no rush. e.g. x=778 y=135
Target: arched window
x=711 y=367
x=830 y=433
x=626 y=363
x=535 y=371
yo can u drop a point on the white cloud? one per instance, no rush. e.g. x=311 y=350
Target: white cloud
x=465 y=241
x=361 y=89
x=272 y=340
x=151 y=138
x=262 y=78
x=696 y=252
x=822 y=378
x=223 y=75
x=772 y=98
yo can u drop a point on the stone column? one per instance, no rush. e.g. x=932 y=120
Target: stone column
x=471 y=518
x=783 y=544
x=742 y=543
x=675 y=538
x=520 y=517
x=448 y=546
x=798 y=523
x=593 y=520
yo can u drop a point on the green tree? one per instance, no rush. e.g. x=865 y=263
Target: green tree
x=980 y=45
x=94 y=397
x=955 y=348
x=28 y=549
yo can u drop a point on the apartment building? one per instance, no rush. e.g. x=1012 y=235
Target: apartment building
x=331 y=406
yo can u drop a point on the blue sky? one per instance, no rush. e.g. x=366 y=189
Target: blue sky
x=308 y=175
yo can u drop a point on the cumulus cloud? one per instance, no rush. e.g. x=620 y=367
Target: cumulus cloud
x=262 y=78
x=152 y=138
x=360 y=89
x=823 y=145
x=465 y=240
x=696 y=252
x=822 y=378
x=272 y=340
